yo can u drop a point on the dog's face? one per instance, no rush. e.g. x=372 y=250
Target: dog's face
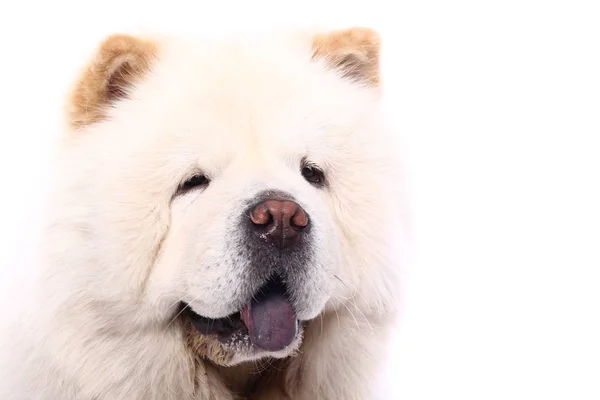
x=235 y=187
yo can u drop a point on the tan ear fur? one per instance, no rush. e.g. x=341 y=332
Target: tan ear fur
x=120 y=62
x=355 y=52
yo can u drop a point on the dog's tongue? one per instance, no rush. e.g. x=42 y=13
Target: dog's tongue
x=271 y=321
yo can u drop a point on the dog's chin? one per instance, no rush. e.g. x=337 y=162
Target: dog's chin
x=267 y=326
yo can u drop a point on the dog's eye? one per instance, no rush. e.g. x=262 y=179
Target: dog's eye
x=313 y=175
x=196 y=181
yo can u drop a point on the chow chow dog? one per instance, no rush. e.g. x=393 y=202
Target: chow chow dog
x=222 y=226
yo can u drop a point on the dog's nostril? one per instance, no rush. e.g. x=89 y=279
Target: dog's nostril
x=261 y=215
x=299 y=220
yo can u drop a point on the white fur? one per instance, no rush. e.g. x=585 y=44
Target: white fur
x=118 y=254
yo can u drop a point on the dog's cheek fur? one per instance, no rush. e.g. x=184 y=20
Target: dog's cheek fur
x=368 y=278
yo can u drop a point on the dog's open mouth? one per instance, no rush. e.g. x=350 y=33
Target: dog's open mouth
x=268 y=321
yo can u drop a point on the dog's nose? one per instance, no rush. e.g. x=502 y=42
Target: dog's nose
x=280 y=223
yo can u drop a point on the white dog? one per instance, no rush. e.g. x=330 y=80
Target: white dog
x=223 y=226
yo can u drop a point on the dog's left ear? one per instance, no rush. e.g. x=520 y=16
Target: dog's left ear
x=354 y=52
x=120 y=62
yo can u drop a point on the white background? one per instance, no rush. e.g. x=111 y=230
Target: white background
x=498 y=103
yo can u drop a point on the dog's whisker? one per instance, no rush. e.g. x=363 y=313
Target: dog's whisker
x=351 y=298
x=349 y=311
x=321 y=318
x=177 y=315
x=364 y=317
x=182 y=310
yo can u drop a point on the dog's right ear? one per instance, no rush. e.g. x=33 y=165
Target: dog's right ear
x=119 y=63
x=353 y=52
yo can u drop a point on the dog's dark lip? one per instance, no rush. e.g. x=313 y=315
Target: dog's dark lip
x=224 y=327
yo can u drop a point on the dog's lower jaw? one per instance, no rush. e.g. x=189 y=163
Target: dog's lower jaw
x=316 y=370
x=211 y=349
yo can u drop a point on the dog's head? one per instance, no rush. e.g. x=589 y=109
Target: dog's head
x=238 y=186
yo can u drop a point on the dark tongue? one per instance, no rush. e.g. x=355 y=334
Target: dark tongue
x=271 y=321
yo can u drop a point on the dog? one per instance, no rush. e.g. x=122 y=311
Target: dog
x=222 y=226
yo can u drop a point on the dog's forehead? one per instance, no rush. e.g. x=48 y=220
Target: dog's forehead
x=271 y=120
x=255 y=101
